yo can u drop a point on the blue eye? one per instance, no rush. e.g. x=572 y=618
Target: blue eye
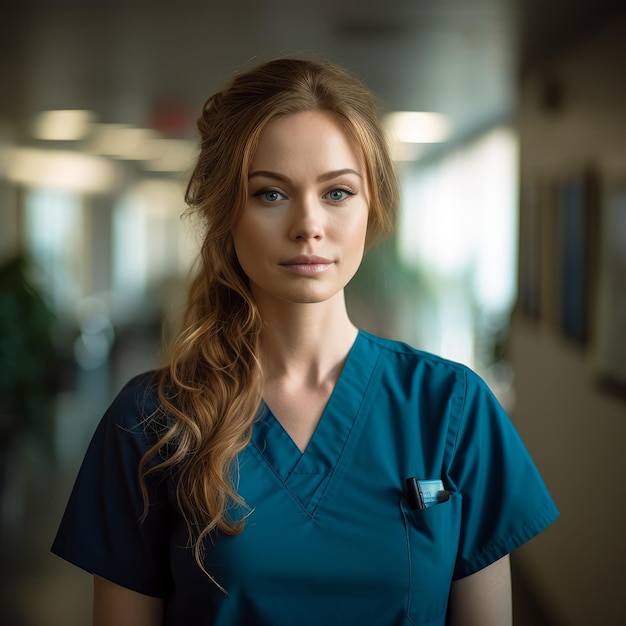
x=337 y=195
x=269 y=195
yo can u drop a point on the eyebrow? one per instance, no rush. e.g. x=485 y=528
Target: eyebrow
x=320 y=179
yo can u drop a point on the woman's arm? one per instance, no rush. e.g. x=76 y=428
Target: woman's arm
x=484 y=598
x=114 y=605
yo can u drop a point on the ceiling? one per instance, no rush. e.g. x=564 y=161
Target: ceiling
x=125 y=59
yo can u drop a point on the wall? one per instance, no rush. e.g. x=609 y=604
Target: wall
x=572 y=116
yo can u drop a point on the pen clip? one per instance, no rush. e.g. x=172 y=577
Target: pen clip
x=414 y=494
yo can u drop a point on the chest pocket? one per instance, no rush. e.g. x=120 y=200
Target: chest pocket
x=432 y=536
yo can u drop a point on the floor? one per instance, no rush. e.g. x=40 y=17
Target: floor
x=39 y=589
x=36 y=587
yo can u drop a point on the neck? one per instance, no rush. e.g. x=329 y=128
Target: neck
x=305 y=342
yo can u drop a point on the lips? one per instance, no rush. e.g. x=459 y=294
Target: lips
x=307 y=265
x=304 y=259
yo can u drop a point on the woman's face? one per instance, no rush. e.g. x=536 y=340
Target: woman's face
x=301 y=235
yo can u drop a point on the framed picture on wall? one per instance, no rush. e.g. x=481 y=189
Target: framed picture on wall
x=611 y=328
x=530 y=248
x=539 y=286
x=550 y=263
x=578 y=220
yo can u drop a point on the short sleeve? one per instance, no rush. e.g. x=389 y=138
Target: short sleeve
x=505 y=501
x=102 y=530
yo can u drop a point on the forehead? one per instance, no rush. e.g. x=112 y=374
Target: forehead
x=308 y=136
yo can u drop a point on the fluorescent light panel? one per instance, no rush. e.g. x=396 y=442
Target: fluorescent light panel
x=57 y=169
x=417 y=127
x=63 y=125
x=121 y=141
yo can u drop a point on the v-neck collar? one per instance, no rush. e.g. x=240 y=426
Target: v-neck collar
x=307 y=474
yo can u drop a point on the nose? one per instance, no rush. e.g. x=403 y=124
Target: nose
x=307 y=219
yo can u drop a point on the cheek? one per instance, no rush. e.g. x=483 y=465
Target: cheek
x=246 y=235
x=356 y=230
x=253 y=244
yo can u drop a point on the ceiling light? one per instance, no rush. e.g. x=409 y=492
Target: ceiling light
x=417 y=127
x=63 y=125
x=58 y=169
x=125 y=142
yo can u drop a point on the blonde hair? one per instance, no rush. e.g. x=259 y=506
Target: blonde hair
x=211 y=389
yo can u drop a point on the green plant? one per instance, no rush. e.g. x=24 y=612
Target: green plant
x=26 y=354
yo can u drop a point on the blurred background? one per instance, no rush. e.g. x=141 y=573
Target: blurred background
x=507 y=122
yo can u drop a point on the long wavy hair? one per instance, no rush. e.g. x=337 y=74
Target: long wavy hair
x=211 y=389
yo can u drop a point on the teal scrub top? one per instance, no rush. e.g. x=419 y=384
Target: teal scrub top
x=331 y=538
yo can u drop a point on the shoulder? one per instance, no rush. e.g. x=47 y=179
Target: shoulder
x=136 y=406
x=406 y=358
x=140 y=392
x=436 y=382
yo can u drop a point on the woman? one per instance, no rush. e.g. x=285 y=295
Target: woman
x=286 y=468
